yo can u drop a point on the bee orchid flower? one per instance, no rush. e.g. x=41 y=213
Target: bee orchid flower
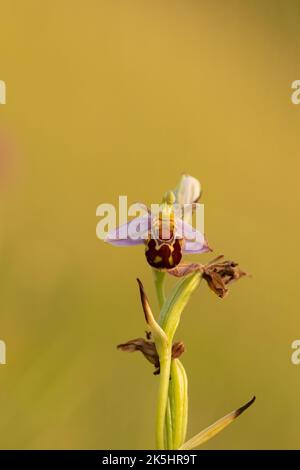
x=163 y=232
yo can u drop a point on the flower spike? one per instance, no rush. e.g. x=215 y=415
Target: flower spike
x=167 y=234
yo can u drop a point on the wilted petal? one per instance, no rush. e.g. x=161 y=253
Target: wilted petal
x=184 y=269
x=132 y=233
x=177 y=349
x=147 y=348
x=149 y=351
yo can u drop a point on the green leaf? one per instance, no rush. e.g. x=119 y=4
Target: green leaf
x=178 y=398
x=172 y=309
x=168 y=428
x=159 y=336
x=215 y=428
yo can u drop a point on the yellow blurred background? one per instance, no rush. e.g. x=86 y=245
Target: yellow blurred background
x=106 y=98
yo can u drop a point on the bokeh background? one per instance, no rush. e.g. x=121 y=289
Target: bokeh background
x=121 y=97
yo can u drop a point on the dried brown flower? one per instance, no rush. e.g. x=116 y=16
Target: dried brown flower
x=219 y=274
x=148 y=349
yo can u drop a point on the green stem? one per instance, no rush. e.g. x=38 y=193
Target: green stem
x=162 y=402
x=169 y=319
x=170 y=314
x=168 y=427
x=159 y=281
